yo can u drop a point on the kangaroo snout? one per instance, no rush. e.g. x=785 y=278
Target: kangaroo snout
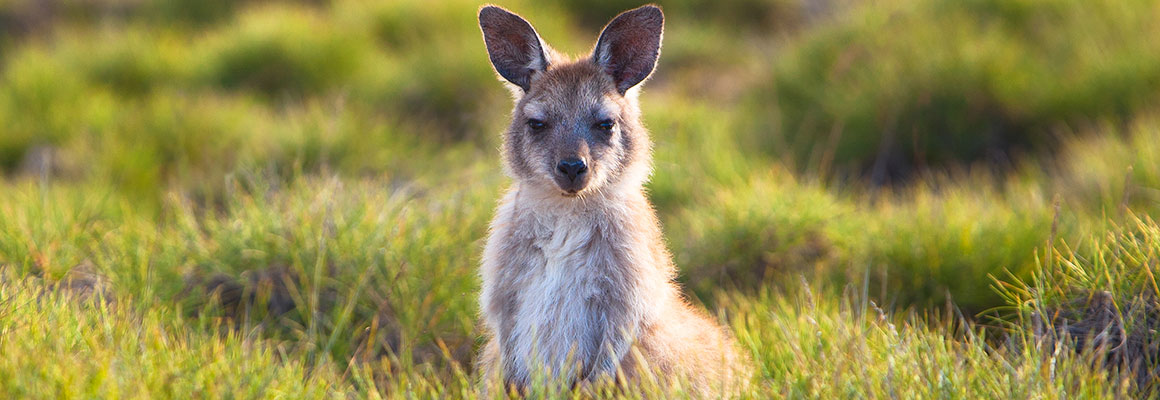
x=572 y=174
x=572 y=168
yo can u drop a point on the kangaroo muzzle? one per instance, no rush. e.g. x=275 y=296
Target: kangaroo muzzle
x=572 y=175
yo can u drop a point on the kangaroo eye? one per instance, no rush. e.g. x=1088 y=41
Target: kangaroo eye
x=536 y=124
x=605 y=125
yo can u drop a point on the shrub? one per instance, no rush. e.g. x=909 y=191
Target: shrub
x=281 y=51
x=925 y=249
x=43 y=104
x=914 y=248
x=129 y=63
x=1095 y=166
x=875 y=95
x=759 y=233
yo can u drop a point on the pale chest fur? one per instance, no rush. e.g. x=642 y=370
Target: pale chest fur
x=567 y=285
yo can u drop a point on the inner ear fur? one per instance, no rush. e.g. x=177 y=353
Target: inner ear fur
x=630 y=45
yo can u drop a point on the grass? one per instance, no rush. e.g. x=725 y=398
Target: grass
x=288 y=199
x=811 y=345
x=109 y=349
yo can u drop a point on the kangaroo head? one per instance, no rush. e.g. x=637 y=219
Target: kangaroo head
x=576 y=125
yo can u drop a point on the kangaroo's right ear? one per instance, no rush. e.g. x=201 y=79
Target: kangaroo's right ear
x=629 y=46
x=513 y=46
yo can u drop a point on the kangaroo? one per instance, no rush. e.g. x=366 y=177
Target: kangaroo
x=576 y=277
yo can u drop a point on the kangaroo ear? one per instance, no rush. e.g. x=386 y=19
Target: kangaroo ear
x=513 y=46
x=629 y=46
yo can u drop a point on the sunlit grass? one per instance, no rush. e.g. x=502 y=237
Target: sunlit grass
x=289 y=199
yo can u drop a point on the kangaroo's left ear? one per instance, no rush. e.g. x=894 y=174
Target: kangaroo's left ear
x=629 y=46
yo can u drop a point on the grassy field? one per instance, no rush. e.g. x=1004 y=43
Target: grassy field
x=881 y=199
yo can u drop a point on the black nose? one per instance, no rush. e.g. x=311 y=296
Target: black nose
x=572 y=167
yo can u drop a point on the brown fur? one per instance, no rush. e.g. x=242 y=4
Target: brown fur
x=576 y=278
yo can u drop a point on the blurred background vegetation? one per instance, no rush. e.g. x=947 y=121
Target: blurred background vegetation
x=321 y=173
